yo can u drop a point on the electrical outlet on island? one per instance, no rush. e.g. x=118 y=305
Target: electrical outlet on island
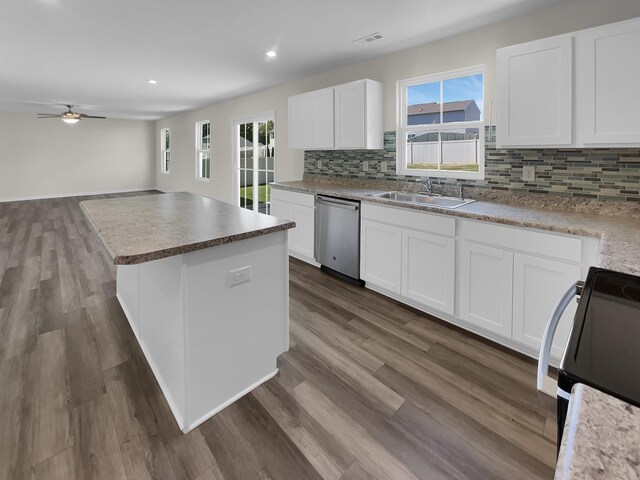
x=365 y=166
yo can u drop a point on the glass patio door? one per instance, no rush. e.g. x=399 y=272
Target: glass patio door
x=255 y=150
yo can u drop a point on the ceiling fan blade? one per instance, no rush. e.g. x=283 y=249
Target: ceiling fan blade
x=84 y=115
x=48 y=115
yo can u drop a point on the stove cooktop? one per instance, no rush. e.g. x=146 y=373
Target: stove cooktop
x=604 y=346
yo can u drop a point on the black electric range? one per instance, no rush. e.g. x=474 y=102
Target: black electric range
x=603 y=350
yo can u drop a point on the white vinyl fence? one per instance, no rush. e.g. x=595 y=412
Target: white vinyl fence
x=454 y=152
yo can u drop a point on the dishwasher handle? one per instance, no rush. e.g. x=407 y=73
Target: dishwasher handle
x=337 y=202
x=545 y=383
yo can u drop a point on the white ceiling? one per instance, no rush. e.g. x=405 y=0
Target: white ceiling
x=99 y=53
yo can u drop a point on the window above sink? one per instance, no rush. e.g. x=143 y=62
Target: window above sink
x=440 y=130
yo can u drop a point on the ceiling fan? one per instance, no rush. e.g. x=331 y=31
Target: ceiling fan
x=69 y=116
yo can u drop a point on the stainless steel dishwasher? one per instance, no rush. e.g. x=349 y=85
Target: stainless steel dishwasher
x=337 y=237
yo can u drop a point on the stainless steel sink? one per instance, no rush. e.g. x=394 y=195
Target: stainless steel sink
x=424 y=199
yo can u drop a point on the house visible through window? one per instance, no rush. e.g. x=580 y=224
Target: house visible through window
x=165 y=156
x=203 y=150
x=440 y=130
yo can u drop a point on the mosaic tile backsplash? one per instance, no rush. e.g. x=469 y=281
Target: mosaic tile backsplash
x=596 y=173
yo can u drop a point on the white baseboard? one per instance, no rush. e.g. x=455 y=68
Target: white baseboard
x=224 y=405
x=77 y=194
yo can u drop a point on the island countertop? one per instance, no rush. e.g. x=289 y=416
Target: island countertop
x=601 y=439
x=149 y=227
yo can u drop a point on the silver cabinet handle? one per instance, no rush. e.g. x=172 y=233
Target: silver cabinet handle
x=545 y=382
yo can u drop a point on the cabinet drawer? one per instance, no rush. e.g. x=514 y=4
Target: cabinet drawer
x=416 y=220
x=514 y=238
x=304 y=199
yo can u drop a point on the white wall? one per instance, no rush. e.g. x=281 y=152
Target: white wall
x=41 y=158
x=472 y=48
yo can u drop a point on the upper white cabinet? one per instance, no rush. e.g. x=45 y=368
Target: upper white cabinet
x=321 y=118
x=534 y=88
x=607 y=80
x=358 y=115
x=299 y=122
x=347 y=116
x=573 y=90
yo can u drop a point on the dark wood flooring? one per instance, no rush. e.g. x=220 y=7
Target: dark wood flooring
x=370 y=389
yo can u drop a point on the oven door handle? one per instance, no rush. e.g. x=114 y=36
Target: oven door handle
x=545 y=383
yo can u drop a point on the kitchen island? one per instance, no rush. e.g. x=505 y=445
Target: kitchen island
x=205 y=287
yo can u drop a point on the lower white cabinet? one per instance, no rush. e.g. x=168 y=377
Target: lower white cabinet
x=428 y=269
x=496 y=280
x=380 y=255
x=302 y=242
x=538 y=284
x=486 y=286
x=300 y=208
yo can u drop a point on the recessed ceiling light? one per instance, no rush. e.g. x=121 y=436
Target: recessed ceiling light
x=271 y=53
x=151 y=81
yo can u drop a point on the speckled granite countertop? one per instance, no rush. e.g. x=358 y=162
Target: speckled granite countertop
x=601 y=439
x=150 y=227
x=618 y=229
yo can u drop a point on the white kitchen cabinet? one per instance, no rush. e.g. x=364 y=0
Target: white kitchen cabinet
x=380 y=255
x=428 y=269
x=321 y=118
x=358 y=115
x=346 y=116
x=607 y=79
x=535 y=93
x=300 y=208
x=299 y=121
x=303 y=237
x=486 y=285
x=597 y=68
x=538 y=284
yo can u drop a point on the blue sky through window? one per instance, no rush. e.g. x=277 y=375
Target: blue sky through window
x=455 y=89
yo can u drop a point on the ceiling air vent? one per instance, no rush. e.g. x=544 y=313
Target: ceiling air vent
x=372 y=37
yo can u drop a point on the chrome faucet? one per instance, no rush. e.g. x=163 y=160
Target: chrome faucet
x=428 y=186
x=460 y=191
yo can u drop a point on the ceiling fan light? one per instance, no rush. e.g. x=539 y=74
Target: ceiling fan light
x=70 y=120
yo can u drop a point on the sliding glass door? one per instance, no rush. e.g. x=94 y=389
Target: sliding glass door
x=255 y=156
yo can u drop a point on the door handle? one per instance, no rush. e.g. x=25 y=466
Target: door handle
x=545 y=383
x=338 y=203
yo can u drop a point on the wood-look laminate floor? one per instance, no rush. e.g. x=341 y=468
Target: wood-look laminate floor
x=369 y=389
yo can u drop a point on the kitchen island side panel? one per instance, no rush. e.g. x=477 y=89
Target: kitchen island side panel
x=128 y=294
x=162 y=328
x=235 y=332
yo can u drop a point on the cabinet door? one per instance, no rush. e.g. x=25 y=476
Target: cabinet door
x=299 y=125
x=380 y=255
x=284 y=210
x=303 y=238
x=486 y=283
x=321 y=111
x=538 y=284
x=535 y=93
x=350 y=115
x=428 y=269
x=607 y=79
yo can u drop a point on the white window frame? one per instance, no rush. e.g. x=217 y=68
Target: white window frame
x=402 y=128
x=165 y=153
x=200 y=151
